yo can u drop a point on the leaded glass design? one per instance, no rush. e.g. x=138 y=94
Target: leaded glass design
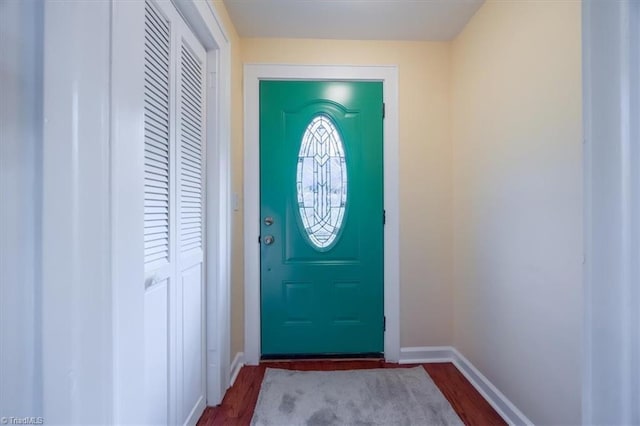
x=322 y=181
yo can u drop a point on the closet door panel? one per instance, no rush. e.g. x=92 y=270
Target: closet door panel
x=156 y=343
x=193 y=357
x=190 y=137
x=159 y=200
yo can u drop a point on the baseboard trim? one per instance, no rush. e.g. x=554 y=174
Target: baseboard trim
x=196 y=413
x=426 y=354
x=236 y=365
x=431 y=354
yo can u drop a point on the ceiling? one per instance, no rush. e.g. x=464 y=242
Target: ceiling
x=352 y=19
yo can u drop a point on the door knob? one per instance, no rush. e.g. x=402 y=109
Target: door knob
x=268 y=240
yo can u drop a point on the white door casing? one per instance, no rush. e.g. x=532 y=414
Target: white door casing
x=611 y=65
x=388 y=75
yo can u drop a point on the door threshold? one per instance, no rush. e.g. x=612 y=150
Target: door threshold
x=373 y=356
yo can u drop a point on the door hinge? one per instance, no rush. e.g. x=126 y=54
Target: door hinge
x=384 y=217
x=383 y=110
x=384 y=323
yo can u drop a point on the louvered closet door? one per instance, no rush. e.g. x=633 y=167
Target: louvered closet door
x=190 y=137
x=159 y=209
x=174 y=135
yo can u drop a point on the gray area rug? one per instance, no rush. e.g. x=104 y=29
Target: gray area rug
x=391 y=396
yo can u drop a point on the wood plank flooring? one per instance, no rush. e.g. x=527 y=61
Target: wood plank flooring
x=240 y=400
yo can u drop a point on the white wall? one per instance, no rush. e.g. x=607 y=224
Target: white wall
x=517 y=179
x=612 y=229
x=20 y=166
x=76 y=281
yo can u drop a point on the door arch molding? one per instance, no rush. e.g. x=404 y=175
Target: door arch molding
x=388 y=75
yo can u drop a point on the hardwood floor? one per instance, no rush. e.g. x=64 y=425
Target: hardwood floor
x=240 y=400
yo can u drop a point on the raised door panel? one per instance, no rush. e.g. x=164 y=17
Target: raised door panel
x=156 y=353
x=193 y=382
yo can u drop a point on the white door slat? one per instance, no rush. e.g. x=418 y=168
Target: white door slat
x=156 y=131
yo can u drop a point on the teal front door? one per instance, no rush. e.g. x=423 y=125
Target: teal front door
x=322 y=218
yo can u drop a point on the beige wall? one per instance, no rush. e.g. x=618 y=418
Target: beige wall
x=425 y=165
x=237 y=266
x=516 y=133
x=491 y=216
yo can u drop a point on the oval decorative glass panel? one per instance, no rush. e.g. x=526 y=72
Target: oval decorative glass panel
x=322 y=181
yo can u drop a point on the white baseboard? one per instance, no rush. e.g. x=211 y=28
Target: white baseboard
x=507 y=410
x=196 y=413
x=426 y=354
x=236 y=365
x=430 y=354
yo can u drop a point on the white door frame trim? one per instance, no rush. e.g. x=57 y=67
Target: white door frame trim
x=388 y=75
x=208 y=27
x=611 y=106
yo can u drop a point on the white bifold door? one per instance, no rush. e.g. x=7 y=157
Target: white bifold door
x=174 y=217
